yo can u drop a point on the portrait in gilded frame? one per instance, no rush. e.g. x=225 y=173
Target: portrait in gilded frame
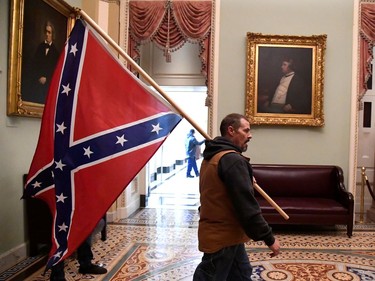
x=284 y=84
x=39 y=29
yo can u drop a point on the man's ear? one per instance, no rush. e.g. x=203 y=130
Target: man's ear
x=230 y=130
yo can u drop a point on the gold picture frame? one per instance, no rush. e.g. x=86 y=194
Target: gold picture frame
x=300 y=102
x=28 y=31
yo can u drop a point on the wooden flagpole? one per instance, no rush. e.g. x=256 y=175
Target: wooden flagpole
x=165 y=96
x=269 y=200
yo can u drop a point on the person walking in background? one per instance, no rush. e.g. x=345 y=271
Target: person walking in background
x=191 y=145
x=229 y=212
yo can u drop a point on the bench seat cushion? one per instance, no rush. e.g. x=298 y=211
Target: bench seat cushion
x=304 y=205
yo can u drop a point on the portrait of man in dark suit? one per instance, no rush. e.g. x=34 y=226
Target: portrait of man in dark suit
x=44 y=63
x=43 y=39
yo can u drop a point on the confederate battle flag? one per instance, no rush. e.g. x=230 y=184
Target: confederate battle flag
x=100 y=126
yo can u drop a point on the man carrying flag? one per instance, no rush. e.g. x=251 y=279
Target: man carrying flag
x=100 y=126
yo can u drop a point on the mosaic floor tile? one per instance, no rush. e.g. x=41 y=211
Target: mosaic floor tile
x=161 y=244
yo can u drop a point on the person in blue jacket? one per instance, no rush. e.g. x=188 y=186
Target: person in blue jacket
x=191 y=146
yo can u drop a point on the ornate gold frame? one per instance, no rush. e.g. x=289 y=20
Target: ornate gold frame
x=265 y=50
x=16 y=104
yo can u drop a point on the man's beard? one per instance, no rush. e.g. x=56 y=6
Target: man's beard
x=244 y=147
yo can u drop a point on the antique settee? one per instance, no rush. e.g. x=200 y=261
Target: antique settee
x=308 y=194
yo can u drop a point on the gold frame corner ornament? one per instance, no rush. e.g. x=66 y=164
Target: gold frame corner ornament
x=266 y=50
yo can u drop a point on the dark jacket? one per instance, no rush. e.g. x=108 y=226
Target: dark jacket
x=299 y=96
x=235 y=172
x=43 y=66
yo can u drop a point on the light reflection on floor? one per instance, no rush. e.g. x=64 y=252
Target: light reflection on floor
x=178 y=192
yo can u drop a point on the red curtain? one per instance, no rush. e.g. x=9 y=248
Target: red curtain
x=366 y=44
x=170 y=24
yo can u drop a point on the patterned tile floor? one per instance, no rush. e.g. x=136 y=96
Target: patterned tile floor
x=160 y=243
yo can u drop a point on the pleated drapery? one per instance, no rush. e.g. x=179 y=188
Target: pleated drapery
x=170 y=24
x=366 y=45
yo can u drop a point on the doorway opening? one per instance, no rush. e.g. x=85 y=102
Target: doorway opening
x=167 y=185
x=365 y=209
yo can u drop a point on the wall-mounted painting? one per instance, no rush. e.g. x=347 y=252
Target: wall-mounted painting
x=285 y=79
x=38 y=31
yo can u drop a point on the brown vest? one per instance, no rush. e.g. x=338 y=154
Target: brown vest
x=218 y=224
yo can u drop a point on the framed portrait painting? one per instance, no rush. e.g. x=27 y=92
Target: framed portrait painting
x=285 y=79
x=38 y=31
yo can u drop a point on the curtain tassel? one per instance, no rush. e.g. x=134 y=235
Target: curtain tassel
x=167 y=51
x=167 y=54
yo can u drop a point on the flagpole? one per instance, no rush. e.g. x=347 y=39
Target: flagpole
x=166 y=97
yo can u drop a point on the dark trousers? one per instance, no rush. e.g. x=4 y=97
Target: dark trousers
x=230 y=263
x=84 y=253
x=84 y=257
x=192 y=164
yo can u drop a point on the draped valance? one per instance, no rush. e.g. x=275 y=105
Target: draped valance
x=366 y=44
x=170 y=24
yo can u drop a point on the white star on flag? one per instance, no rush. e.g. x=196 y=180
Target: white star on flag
x=156 y=128
x=88 y=152
x=74 y=49
x=66 y=89
x=58 y=254
x=60 y=128
x=63 y=227
x=121 y=140
x=61 y=198
x=36 y=184
x=59 y=165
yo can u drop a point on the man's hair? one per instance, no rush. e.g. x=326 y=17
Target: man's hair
x=50 y=24
x=233 y=119
x=290 y=62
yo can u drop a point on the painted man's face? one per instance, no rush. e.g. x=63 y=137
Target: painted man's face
x=48 y=33
x=285 y=67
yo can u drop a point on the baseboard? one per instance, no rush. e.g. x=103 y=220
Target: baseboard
x=125 y=212
x=12 y=257
x=111 y=216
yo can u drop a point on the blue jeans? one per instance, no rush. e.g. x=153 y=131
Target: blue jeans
x=230 y=263
x=192 y=164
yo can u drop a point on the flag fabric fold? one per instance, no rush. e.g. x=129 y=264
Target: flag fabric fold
x=100 y=126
